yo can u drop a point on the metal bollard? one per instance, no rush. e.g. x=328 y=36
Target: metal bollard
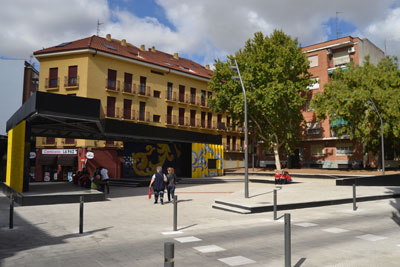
x=354 y=198
x=275 y=205
x=288 y=245
x=169 y=254
x=11 y=225
x=175 y=213
x=81 y=215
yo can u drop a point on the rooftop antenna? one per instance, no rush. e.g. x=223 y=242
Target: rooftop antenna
x=337 y=25
x=98 y=27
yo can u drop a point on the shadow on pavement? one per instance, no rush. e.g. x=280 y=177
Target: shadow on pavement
x=395 y=203
x=25 y=235
x=300 y=262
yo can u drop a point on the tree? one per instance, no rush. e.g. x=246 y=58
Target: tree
x=345 y=102
x=275 y=74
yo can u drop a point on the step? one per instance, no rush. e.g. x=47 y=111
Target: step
x=230 y=208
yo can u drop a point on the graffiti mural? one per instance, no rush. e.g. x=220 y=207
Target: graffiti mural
x=201 y=155
x=141 y=160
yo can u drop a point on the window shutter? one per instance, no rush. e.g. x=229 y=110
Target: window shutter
x=53 y=73
x=73 y=71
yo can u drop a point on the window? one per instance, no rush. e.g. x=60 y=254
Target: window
x=142 y=89
x=142 y=109
x=313 y=61
x=111 y=106
x=228 y=143
x=72 y=75
x=317 y=150
x=69 y=141
x=228 y=121
x=203 y=119
x=241 y=143
x=193 y=118
x=169 y=115
x=112 y=79
x=315 y=84
x=313 y=128
x=220 y=125
x=209 y=95
x=128 y=82
x=212 y=163
x=50 y=140
x=203 y=97
x=308 y=108
x=53 y=81
x=127 y=109
x=209 y=120
x=193 y=95
x=169 y=91
x=156 y=118
x=181 y=93
x=344 y=150
x=181 y=116
x=234 y=143
x=156 y=94
x=341 y=58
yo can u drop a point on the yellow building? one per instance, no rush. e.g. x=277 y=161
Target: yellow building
x=139 y=86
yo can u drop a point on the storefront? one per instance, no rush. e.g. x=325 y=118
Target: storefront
x=56 y=164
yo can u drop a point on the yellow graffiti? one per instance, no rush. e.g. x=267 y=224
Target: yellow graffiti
x=178 y=152
x=141 y=164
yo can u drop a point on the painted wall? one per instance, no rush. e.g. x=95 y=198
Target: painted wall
x=142 y=159
x=201 y=154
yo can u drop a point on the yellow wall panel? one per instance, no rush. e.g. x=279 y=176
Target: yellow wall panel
x=15 y=157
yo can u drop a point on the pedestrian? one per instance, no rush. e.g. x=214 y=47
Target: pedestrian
x=171 y=183
x=158 y=181
x=105 y=179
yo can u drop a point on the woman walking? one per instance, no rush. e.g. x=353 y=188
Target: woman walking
x=158 y=182
x=171 y=177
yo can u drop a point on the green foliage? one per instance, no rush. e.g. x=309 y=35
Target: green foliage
x=345 y=97
x=275 y=76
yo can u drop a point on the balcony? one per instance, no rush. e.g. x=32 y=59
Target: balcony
x=193 y=101
x=112 y=112
x=170 y=96
x=170 y=119
x=143 y=116
x=202 y=101
x=181 y=98
x=221 y=126
x=52 y=84
x=144 y=91
x=129 y=89
x=71 y=83
x=112 y=86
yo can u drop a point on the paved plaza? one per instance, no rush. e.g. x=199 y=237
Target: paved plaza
x=129 y=230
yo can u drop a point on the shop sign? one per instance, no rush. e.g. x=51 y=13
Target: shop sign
x=32 y=155
x=59 y=151
x=83 y=160
x=89 y=155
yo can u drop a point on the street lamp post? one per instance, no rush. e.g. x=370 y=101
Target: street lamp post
x=370 y=102
x=246 y=161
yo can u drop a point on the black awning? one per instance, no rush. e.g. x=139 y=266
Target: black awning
x=71 y=161
x=48 y=160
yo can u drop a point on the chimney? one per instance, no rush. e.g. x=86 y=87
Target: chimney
x=208 y=67
x=153 y=49
x=176 y=55
x=108 y=37
x=142 y=47
x=123 y=42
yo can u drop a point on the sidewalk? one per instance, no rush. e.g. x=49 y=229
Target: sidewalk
x=302 y=193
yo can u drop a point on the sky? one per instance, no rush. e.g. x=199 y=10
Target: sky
x=201 y=30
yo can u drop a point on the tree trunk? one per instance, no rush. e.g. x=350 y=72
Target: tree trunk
x=277 y=160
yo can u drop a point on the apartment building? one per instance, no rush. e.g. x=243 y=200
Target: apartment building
x=321 y=147
x=141 y=86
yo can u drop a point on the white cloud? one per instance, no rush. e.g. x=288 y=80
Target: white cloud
x=202 y=28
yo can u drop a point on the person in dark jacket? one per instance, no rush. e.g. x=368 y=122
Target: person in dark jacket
x=158 y=182
x=171 y=177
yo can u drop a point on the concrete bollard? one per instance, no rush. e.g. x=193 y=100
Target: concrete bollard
x=354 y=198
x=169 y=260
x=275 y=205
x=11 y=224
x=175 y=213
x=288 y=245
x=81 y=215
